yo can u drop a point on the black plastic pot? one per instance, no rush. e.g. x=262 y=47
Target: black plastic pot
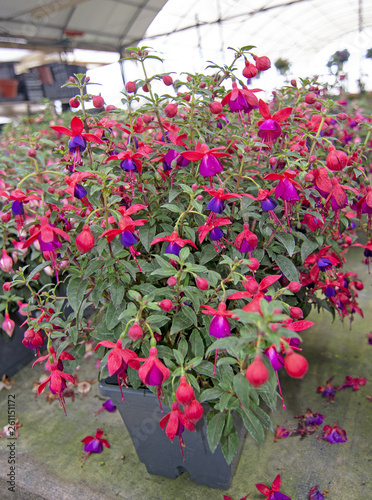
x=13 y=354
x=141 y=414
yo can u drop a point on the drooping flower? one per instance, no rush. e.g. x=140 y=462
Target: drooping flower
x=85 y=240
x=33 y=340
x=217 y=204
x=57 y=378
x=74 y=184
x=118 y=360
x=272 y=493
x=241 y=99
x=153 y=372
x=78 y=141
x=253 y=288
x=333 y=434
x=295 y=364
x=6 y=262
x=213 y=227
x=210 y=164
x=257 y=373
x=175 y=243
x=184 y=393
x=269 y=128
x=8 y=325
x=94 y=444
x=129 y=161
x=175 y=423
x=220 y=326
x=246 y=241
x=323 y=261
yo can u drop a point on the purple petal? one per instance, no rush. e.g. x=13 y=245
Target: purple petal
x=77 y=141
x=173 y=248
x=209 y=166
x=17 y=208
x=216 y=234
x=79 y=191
x=154 y=376
x=109 y=406
x=216 y=205
x=95 y=446
x=127 y=238
x=219 y=327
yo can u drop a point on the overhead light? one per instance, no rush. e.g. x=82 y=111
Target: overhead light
x=9 y=39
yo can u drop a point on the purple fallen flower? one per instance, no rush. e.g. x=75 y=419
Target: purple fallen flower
x=333 y=434
x=108 y=406
x=311 y=418
x=95 y=444
x=314 y=493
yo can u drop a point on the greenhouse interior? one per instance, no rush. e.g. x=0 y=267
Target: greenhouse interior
x=186 y=208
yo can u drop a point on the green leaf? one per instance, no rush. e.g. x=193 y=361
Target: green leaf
x=147 y=235
x=38 y=269
x=214 y=430
x=307 y=248
x=111 y=317
x=179 y=357
x=210 y=394
x=287 y=268
x=229 y=445
x=117 y=290
x=98 y=289
x=252 y=424
x=196 y=343
x=75 y=292
x=189 y=312
x=172 y=208
x=288 y=241
x=263 y=418
x=158 y=320
x=180 y=322
x=242 y=389
x=182 y=347
x=92 y=267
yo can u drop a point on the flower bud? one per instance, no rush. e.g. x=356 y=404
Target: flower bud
x=359 y=285
x=98 y=101
x=74 y=103
x=293 y=83
x=254 y=264
x=202 y=283
x=172 y=281
x=31 y=153
x=166 y=305
x=194 y=187
x=72 y=79
x=257 y=373
x=262 y=63
x=193 y=411
x=296 y=312
x=294 y=286
x=250 y=70
x=167 y=80
x=6 y=262
x=135 y=332
x=184 y=392
x=110 y=107
x=310 y=98
x=32 y=339
x=85 y=240
x=295 y=364
x=6 y=217
x=170 y=110
x=336 y=160
x=7 y=286
x=130 y=87
x=342 y=116
x=36 y=276
x=215 y=107
x=8 y=325
x=145 y=88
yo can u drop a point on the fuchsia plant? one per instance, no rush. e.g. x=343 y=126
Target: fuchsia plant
x=198 y=292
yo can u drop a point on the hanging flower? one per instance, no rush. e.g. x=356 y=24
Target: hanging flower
x=270 y=129
x=217 y=204
x=175 y=243
x=210 y=164
x=175 y=423
x=8 y=325
x=220 y=326
x=129 y=161
x=153 y=372
x=241 y=99
x=246 y=241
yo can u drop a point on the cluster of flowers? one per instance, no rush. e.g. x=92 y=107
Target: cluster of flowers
x=250 y=208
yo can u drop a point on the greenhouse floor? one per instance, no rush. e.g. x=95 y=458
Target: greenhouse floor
x=48 y=451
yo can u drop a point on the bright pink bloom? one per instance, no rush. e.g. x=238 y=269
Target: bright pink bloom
x=95 y=444
x=175 y=243
x=270 y=129
x=210 y=164
x=8 y=325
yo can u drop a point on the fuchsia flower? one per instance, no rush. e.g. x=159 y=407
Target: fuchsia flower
x=95 y=444
x=106 y=406
x=18 y=197
x=287 y=187
x=33 y=340
x=246 y=241
x=241 y=99
x=6 y=262
x=270 y=129
x=129 y=161
x=253 y=288
x=220 y=326
x=78 y=142
x=175 y=422
x=333 y=434
x=272 y=493
x=210 y=164
x=57 y=378
x=321 y=262
x=175 y=243
x=355 y=383
x=212 y=226
x=74 y=187
x=153 y=372
x=216 y=204
x=328 y=390
x=314 y=493
x=119 y=359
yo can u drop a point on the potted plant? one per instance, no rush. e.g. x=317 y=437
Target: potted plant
x=199 y=227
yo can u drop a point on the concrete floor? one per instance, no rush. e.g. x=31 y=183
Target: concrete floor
x=48 y=448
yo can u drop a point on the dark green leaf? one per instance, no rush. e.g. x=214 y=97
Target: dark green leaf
x=196 y=343
x=307 y=248
x=252 y=424
x=117 y=290
x=288 y=241
x=210 y=394
x=111 y=317
x=75 y=292
x=180 y=322
x=287 y=268
x=214 y=430
x=229 y=445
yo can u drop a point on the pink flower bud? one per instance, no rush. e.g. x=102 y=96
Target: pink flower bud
x=295 y=364
x=296 y=312
x=135 y=332
x=98 y=101
x=215 y=107
x=310 y=98
x=170 y=110
x=7 y=286
x=74 y=103
x=166 y=305
x=85 y=240
x=262 y=63
x=254 y=264
x=184 y=393
x=202 y=283
x=193 y=411
x=6 y=262
x=167 y=80
x=250 y=70
x=172 y=281
x=257 y=373
x=8 y=325
x=6 y=217
x=110 y=107
x=294 y=286
x=336 y=160
x=130 y=87
x=31 y=153
x=72 y=79
x=342 y=116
